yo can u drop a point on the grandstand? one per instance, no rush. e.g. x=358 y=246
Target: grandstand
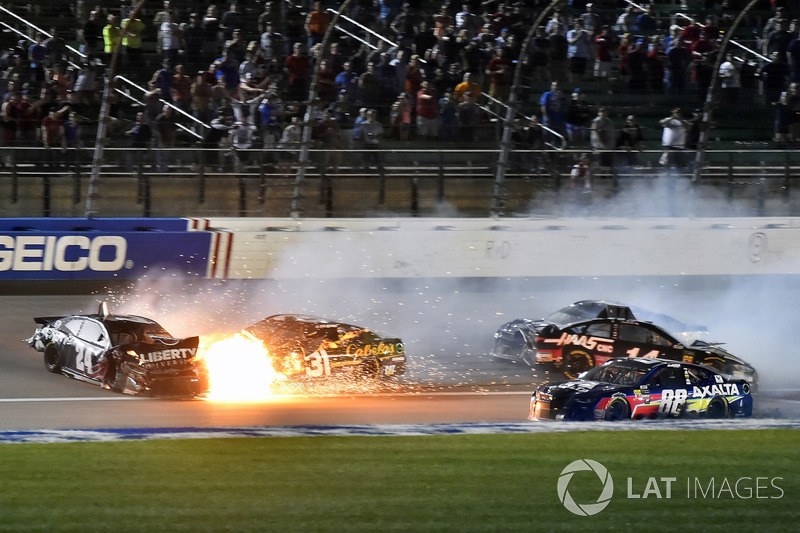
x=419 y=177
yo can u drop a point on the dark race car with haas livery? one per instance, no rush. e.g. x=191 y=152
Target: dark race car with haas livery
x=589 y=333
x=304 y=346
x=125 y=353
x=640 y=388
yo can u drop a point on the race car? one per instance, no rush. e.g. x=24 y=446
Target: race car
x=588 y=333
x=125 y=353
x=637 y=388
x=304 y=346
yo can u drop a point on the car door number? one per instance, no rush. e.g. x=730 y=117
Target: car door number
x=634 y=352
x=83 y=359
x=672 y=401
x=318 y=364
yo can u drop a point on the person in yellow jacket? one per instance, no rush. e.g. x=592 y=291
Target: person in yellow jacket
x=132 y=40
x=111 y=33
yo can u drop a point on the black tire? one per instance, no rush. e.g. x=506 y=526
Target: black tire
x=370 y=369
x=717 y=408
x=52 y=359
x=617 y=410
x=575 y=363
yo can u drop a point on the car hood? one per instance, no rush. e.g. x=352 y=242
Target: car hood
x=578 y=387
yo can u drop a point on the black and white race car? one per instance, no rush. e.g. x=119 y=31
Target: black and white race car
x=125 y=353
x=589 y=333
x=311 y=347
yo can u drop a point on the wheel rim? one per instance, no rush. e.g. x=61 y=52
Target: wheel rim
x=716 y=408
x=616 y=411
x=575 y=363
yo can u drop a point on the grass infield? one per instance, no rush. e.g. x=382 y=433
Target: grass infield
x=720 y=481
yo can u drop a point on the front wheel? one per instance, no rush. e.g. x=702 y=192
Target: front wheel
x=576 y=362
x=52 y=359
x=617 y=410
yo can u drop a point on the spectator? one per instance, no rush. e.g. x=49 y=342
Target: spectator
x=603 y=43
x=231 y=20
x=779 y=40
x=499 y=72
x=111 y=33
x=630 y=139
x=775 y=76
x=603 y=138
x=37 y=54
x=159 y=19
x=241 y=136
x=448 y=117
x=559 y=47
x=578 y=50
x=581 y=180
x=194 y=40
x=212 y=137
x=468 y=117
x=132 y=41
x=91 y=35
x=427 y=112
x=372 y=135
x=316 y=23
x=141 y=137
x=347 y=81
x=730 y=80
x=56 y=49
x=271 y=43
x=654 y=65
x=538 y=55
x=358 y=123
x=53 y=138
x=290 y=141
x=369 y=87
x=401 y=116
x=678 y=59
x=212 y=32
x=72 y=138
x=202 y=93
x=784 y=116
x=578 y=118
x=170 y=39
x=166 y=133
x=467 y=85
x=297 y=67
x=673 y=140
x=553 y=108
x=414 y=76
x=181 y=88
x=330 y=136
x=326 y=82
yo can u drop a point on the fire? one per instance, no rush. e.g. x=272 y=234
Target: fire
x=239 y=369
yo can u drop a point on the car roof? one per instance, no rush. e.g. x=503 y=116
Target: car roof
x=110 y=319
x=650 y=363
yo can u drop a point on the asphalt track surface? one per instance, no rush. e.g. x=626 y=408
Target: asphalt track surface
x=449 y=380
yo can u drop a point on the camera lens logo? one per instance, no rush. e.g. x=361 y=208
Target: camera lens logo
x=586 y=509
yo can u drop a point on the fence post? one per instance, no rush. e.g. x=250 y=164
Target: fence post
x=76 y=175
x=786 y=175
x=440 y=181
x=14 y=178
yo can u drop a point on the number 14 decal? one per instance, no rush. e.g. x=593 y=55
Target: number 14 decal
x=634 y=352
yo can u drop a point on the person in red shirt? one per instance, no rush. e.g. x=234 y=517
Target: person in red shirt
x=53 y=138
x=427 y=112
x=602 y=63
x=297 y=67
x=499 y=72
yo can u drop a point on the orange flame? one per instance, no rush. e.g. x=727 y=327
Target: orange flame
x=240 y=369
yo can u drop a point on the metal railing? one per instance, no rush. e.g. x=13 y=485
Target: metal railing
x=191 y=182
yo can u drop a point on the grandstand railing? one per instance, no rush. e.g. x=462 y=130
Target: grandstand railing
x=191 y=182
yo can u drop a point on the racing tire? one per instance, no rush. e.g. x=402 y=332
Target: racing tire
x=575 y=363
x=717 y=408
x=370 y=369
x=52 y=359
x=617 y=410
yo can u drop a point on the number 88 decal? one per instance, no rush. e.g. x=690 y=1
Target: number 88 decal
x=672 y=401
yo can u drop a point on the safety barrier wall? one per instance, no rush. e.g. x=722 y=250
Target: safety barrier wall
x=284 y=248
x=459 y=248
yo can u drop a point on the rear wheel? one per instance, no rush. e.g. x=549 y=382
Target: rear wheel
x=52 y=359
x=717 y=408
x=370 y=369
x=576 y=362
x=617 y=410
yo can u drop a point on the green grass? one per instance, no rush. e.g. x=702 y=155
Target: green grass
x=439 y=483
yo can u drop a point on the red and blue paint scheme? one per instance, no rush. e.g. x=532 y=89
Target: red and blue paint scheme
x=643 y=388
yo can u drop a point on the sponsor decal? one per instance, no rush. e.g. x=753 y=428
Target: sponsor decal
x=590 y=343
x=375 y=349
x=723 y=389
x=72 y=253
x=167 y=355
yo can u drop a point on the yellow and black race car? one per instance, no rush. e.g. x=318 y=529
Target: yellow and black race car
x=312 y=347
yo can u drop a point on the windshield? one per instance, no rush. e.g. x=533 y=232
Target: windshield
x=618 y=374
x=575 y=313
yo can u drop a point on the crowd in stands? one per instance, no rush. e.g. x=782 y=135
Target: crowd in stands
x=242 y=70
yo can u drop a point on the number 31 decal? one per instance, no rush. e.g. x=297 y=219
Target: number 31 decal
x=318 y=364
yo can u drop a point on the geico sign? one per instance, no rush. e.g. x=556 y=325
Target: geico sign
x=72 y=253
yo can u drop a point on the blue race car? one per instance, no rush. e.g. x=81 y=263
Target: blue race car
x=638 y=387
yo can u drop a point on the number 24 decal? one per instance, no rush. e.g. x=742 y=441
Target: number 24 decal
x=83 y=359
